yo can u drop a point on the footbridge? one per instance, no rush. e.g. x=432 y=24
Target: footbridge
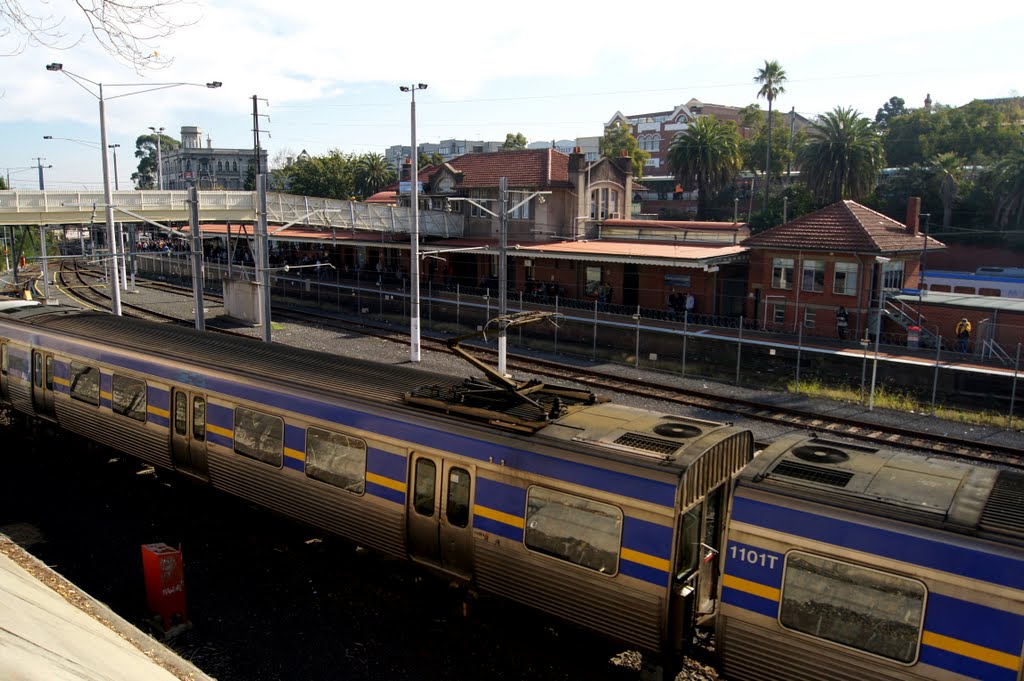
x=47 y=207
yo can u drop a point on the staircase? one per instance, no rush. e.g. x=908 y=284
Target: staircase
x=906 y=316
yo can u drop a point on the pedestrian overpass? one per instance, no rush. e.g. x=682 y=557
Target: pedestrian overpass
x=58 y=207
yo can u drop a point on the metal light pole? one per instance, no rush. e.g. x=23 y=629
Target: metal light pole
x=114 y=147
x=115 y=297
x=414 y=237
x=881 y=260
x=159 y=158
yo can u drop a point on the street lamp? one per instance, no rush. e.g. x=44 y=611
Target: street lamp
x=16 y=170
x=881 y=260
x=115 y=298
x=503 y=215
x=414 y=238
x=159 y=158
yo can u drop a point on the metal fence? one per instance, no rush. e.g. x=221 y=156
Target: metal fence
x=732 y=350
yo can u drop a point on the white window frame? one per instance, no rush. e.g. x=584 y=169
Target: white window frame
x=780 y=267
x=850 y=271
x=816 y=270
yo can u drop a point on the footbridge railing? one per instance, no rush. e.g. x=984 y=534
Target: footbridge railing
x=49 y=207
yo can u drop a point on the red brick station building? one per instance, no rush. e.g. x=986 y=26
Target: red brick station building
x=575 y=239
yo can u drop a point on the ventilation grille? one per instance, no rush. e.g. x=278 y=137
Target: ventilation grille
x=1004 y=512
x=802 y=471
x=647 y=443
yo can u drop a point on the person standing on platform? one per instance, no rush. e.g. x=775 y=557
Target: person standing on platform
x=963 y=334
x=690 y=302
x=842 y=322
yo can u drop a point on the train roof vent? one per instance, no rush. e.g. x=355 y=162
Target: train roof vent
x=817 y=453
x=647 y=443
x=1004 y=512
x=676 y=429
x=802 y=471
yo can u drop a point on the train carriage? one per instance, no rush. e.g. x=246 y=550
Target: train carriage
x=605 y=515
x=849 y=563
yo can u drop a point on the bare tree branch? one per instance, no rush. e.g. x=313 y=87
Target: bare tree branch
x=129 y=30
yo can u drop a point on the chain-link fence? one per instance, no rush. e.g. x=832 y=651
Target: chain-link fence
x=732 y=350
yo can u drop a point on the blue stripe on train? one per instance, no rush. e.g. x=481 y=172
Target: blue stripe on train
x=942 y=554
x=974 y=623
x=975 y=669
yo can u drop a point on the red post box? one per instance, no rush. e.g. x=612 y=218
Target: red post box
x=165 y=583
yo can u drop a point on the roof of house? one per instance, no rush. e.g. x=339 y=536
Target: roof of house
x=843 y=226
x=525 y=168
x=382 y=196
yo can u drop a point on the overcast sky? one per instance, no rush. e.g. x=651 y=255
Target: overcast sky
x=330 y=71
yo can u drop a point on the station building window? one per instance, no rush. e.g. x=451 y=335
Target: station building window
x=814 y=276
x=782 y=273
x=779 y=313
x=810 y=317
x=845 y=279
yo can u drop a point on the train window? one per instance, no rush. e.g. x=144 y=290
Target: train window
x=873 y=611
x=128 y=397
x=336 y=459
x=37 y=369
x=198 y=419
x=85 y=383
x=259 y=436
x=457 y=507
x=426 y=482
x=575 y=529
x=180 y=414
x=49 y=372
x=3 y=359
x=688 y=553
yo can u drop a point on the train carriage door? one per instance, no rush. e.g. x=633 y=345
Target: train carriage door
x=440 y=513
x=4 y=367
x=188 y=433
x=42 y=382
x=714 y=512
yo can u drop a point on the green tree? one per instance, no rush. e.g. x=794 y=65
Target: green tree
x=948 y=170
x=372 y=173
x=514 y=142
x=145 y=150
x=3 y=184
x=771 y=78
x=842 y=156
x=894 y=108
x=904 y=136
x=705 y=157
x=330 y=177
x=617 y=140
x=1008 y=179
x=754 y=148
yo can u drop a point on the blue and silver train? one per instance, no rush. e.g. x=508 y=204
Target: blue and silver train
x=810 y=559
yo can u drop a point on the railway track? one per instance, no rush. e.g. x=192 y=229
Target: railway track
x=851 y=427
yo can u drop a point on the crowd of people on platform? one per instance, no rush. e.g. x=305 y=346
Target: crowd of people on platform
x=681 y=305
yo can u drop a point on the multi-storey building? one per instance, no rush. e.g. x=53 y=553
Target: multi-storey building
x=206 y=167
x=654 y=131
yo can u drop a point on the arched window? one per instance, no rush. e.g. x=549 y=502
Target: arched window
x=220 y=166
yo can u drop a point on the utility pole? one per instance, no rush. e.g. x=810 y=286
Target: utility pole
x=114 y=147
x=789 y=161
x=40 y=166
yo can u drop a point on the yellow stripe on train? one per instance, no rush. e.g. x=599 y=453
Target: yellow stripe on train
x=157 y=411
x=499 y=516
x=390 y=483
x=645 y=559
x=294 y=454
x=975 y=652
x=752 y=588
x=223 y=432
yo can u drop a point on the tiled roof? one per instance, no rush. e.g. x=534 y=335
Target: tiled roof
x=844 y=226
x=527 y=168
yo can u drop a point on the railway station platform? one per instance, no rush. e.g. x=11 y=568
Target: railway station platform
x=52 y=631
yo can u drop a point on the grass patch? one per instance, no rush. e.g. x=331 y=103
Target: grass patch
x=899 y=401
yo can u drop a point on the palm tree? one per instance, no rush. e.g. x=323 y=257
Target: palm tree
x=771 y=78
x=373 y=172
x=1009 y=188
x=705 y=157
x=842 y=156
x=948 y=170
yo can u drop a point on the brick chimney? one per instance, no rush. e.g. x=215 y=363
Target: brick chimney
x=913 y=215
